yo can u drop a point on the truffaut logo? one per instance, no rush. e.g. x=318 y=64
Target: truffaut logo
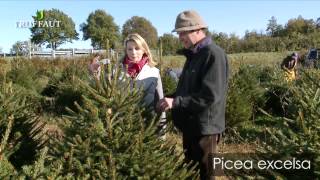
x=38 y=22
x=39 y=15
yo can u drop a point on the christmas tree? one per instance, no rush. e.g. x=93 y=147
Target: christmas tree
x=109 y=136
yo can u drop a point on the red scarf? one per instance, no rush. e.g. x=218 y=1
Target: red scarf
x=133 y=69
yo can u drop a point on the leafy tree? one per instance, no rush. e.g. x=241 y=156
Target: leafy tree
x=170 y=44
x=20 y=48
x=143 y=27
x=314 y=40
x=221 y=39
x=54 y=28
x=234 y=45
x=23 y=48
x=100 y=28
x=273 y=28
x=300 y=25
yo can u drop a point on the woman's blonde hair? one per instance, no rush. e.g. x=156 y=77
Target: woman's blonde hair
x=135 y=37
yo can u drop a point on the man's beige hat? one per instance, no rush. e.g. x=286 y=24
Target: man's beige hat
x=189 y=20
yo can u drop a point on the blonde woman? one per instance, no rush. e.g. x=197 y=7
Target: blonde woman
x=140 y=66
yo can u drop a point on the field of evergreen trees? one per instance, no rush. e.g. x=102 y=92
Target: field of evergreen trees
x=57 y=123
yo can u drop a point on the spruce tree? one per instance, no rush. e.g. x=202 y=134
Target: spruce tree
x=112 y=137
x=298 y=136
x=15 y=124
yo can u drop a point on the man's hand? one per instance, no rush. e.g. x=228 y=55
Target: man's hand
x=164 y=104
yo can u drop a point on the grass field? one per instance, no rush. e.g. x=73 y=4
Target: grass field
x=235 y=60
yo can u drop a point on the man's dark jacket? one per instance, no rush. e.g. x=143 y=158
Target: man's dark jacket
x=200 y=99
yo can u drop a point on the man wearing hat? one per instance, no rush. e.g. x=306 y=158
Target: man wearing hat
x=198 y=105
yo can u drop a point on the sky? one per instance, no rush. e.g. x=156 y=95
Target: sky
x=228 y=16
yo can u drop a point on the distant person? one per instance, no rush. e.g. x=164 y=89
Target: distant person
x=289 y=65
x=198 y=105
x=174 y=73
x=94 y=66
x=139 y=65
x=312 y=59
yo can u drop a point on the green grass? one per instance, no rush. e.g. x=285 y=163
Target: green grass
x=172 y=61
x=263 y=59
x=235 y=60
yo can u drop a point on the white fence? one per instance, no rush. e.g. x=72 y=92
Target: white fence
x=65 y=53
x=62 y=53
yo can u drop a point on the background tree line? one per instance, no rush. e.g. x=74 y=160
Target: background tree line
x=99 y=27
x=298 y=33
